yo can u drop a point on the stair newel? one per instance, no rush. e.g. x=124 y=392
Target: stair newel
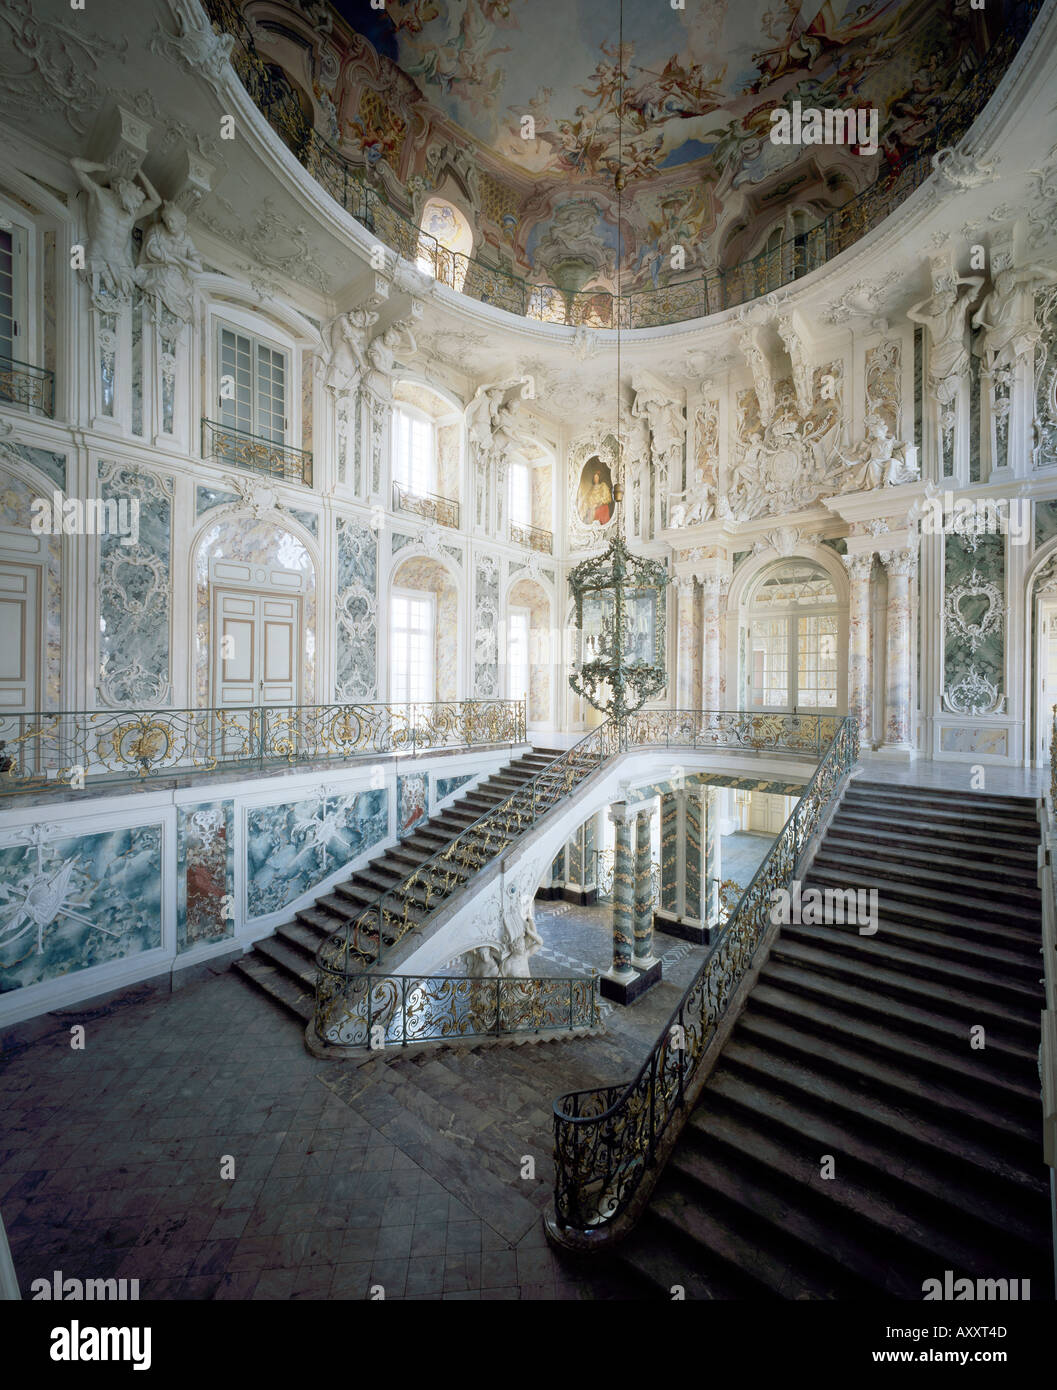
x=498 y=1026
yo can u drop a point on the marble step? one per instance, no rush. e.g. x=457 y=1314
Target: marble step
x=893 y=974
x=279 y=987
x=868 y=820
x=900 y=1075
x=899 y=891
x=971 y=887
x=938 y=855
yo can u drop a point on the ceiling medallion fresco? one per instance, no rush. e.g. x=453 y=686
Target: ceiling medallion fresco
x=431 y=95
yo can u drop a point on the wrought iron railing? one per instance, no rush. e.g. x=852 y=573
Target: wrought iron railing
x=605 y=871
x=23 y=384
x=380 y=925
x=64 y=750
x=607 y=1139
x=443 y=510
x=534 y=537
x=707 y=293
x=370 y=1010
x=255 y=453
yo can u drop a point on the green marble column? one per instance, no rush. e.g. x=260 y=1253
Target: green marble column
x=644 y=956
x=671 y=874
x=712 y=867
x=623 y=893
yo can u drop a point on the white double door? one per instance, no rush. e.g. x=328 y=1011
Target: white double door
x=259 y=648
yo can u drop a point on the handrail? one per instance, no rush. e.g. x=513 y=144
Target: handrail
x=707 y=293
x=607 y=1138
x=389 y=917
x=377 y=1011
x=444 y=510
x=534 y=537
x=57 y=750
x=24 y=383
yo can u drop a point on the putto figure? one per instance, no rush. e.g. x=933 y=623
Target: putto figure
x=115 y=205
x=879 y=460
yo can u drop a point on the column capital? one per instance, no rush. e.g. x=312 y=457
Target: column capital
x=858 y=565
x=621 y=813
x=684 y=585
x=899 y=562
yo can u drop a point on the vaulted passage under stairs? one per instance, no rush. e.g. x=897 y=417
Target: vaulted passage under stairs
x=858 y=1047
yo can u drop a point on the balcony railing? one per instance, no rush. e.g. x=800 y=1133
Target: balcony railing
x=443 y=510
x=23 y=384
x=534 y=537
x=67 y=751
x=695 y=297
x=253 y=452
x=394 y=1010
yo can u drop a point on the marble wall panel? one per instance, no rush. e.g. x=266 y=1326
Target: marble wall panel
x=412 y=802
x=356 y=634
x=205 y=873
x=16 y=499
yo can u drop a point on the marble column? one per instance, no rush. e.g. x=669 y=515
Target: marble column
x=623 y=894
x=899 y=625
x=859 y=568
x=644 y=956
x=712 y=866
x=713 y=590
x=581 y=880
x=685 y=653
x=671 y=868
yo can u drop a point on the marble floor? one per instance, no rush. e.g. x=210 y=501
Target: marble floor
x=194 y=1145
x=955 y=776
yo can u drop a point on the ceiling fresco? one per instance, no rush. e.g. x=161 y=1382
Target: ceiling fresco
x=391 y=87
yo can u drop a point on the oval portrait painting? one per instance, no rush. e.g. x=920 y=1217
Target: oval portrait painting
x=595 y=494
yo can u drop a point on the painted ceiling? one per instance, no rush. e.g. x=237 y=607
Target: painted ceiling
x=700 y=84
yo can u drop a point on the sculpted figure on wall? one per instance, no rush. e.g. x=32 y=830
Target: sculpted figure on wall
x=347 y=362
x=115 y=205
x=879 y=460
x=1007 y=315
x=168 y=262
x=381 y=357
x=943 y=316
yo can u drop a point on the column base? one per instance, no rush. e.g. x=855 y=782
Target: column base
x=697 y=932
x=623 y=989
x=582 y=897
x=645 y=963
x=896 y=752
x=549 y=894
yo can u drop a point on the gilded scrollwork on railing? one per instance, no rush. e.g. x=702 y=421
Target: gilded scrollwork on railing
x=255 y=454
x=23 y=384
x=56 y=751
x=371 y=1010
x=606 y=1137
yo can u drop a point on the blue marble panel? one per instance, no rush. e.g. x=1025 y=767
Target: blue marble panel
x=52 y=465
x=205 y=873
x=1045 y=521
x=135 y=597
x=206 y=498
x=83 y=900
x=486 y=629
x=444 y=786
x=356 y=634
x=399 y=540
x=412 y=800
x=293 y=846
x=968 y=563
x=309 y=520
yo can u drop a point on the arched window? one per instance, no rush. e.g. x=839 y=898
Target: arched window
x=445 y=244
x=792 y=640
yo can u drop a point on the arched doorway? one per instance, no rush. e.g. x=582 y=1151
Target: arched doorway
x=794 y=641
x=423 y=632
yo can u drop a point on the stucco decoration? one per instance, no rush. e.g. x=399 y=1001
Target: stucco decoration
x=974 y=623
x=1044 y=450
x=356 y=611
x=878 y=460
x=135 y=594
x=789 y=463
x=884 y=384
x=590 y=530
x=486 y=628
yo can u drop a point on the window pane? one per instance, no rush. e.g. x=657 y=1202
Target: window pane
x=768 y=662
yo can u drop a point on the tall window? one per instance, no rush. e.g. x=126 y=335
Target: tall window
x=12 y=292
x=413 y=453
x=791 y=642
x=520 y=494
x=518 y=655
x=252 y=386
x=411 y=648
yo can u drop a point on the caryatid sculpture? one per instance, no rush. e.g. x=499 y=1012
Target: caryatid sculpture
x=168 y=261
x=347 y=360
x=115 y=205
x=942 y=315
x=1007 y=315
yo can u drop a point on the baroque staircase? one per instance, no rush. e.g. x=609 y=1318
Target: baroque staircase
x=283 y=965
x=858 y=1047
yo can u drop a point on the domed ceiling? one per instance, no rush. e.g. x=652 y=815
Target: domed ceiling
x=431 y=95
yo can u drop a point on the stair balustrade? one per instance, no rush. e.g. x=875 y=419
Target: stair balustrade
x=362 y=943
x=611 y=1141
x=378 y=1011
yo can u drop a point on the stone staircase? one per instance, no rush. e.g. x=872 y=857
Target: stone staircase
x=283 y=965
x=858 y=1047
